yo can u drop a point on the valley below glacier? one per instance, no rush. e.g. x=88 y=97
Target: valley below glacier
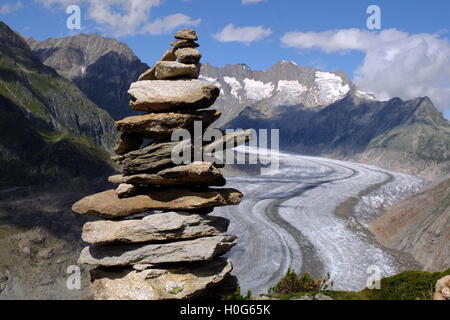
x=312 y=216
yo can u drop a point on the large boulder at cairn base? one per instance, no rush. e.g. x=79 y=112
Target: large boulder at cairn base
x=159 y=284
x=108 y=205
x=166 y=95
x=196 y=173
x=202 y=249
x=162 y=226
x=161 y=125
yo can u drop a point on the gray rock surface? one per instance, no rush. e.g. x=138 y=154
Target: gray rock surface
x=125 y=190
x=169 y=55
x=196 y=173
x=128 y=142
x=202 y=249
x=172 y=70
x=149 y=159
x=188 y=55
x=165 y=95
x=159 y=284
x=161 y=125
x=154 y=227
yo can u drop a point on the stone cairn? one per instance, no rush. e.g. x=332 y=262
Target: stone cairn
x=156 y=240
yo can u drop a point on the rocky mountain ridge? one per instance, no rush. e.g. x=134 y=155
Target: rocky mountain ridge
x=102 y=68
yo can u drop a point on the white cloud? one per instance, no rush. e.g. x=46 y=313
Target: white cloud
x=252 y=1
x=169 y=23
x=246 y=35
x=10 y=7
x=127 y=17
x=396 y=64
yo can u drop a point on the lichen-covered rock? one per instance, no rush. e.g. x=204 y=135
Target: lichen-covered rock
x=164 y=226
x=159 y=284
x=166 y=95
x=202 y=249
x=108 y=205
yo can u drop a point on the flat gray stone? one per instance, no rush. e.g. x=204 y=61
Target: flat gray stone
x=172 y=70
x=202 y=249
x=162 y=125
x=164 y=226
x=166 y=95
x=196 y=173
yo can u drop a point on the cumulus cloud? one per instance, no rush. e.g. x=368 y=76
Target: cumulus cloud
x=10 y=7
x=251 y=1
x=170 y=23
x=246 y=35
x=396 y=63
x=127 y=17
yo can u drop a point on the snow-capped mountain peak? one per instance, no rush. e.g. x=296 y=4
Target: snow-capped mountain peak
x=284 y=84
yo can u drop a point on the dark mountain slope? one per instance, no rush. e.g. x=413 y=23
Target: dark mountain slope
x=40 y=92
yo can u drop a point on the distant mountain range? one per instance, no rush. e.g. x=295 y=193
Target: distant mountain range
x=324 y=114
x=318 y=113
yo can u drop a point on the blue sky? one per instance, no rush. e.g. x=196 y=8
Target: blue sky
x=408 y=57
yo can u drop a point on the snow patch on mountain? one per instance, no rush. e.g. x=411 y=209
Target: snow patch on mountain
x=258 y=90
x=235 y=86
x=213 y=81
x=290 y=92
x=331 y=87
x=365 y=95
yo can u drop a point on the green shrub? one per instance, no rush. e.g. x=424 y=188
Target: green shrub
x=292 y=283
x=238 y=296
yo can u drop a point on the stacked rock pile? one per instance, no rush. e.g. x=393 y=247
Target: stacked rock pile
x=157 y=241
